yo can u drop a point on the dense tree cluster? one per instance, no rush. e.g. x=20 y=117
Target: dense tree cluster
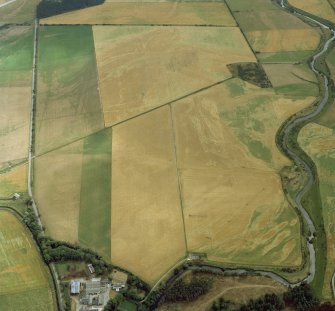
x=188 y=291
x=48 y=8
x=269 y=302
x=300 y=298
x=59 y=251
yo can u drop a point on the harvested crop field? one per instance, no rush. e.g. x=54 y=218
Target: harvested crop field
x=266 y=32
x=147 y=224
x=68 y=102
x=319 y=143
x=320 y=8
x=159 y=71
x=14 y=120
x=57 y=190
x=238 y=290
x=24 y=279
x=229 y=164
x=149 y=13
x=13 y=181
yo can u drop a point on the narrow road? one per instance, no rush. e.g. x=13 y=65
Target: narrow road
x=30 y=159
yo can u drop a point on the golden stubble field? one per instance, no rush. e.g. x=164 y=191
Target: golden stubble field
x=14 y=120
x=233 y=203
x=57 y=186
x=14 y=181
x=147 y=13
x=321 y=8
x=271 y=41
x=144 y=67
x=147 y=224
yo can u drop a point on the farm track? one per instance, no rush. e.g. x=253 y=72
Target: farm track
x=298 y=199
x=142 y=25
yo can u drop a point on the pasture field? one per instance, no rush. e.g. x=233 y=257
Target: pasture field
x=159 y=70
x=57 y=190
x=20 y=11
x=13 y=181
x=25 y=283
x=229 y=164
x=321 y=8
x=148 y=13
x=319 y=143
x=68 y=103
x=147 y=224
x=238 y=290
x=266 y=32
x=292 y=79
x=95 y=195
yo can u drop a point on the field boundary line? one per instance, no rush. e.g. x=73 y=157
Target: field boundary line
x=178 y=174
x=238 y=26
x=133 y=117
x=141 y=25
x=173 y=101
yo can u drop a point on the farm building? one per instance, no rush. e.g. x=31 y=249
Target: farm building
x=119 y=280
x=75 y=287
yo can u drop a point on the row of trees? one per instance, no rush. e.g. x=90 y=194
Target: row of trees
x=48 y=8
x=300 y=298
x=59 y=251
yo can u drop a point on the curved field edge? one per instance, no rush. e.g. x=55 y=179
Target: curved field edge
x=29 y=282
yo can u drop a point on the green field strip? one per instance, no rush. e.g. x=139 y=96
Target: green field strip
x=95 y=198
x=68 y=101
x=284 y=57
x=16 y=55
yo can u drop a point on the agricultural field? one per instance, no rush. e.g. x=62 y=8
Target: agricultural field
x=79 y=186
x=268 y=34
x=321 y=8
x=58 y=199
x=319 y=143
x=148 y=13
x=238 y=290
x=68 y=102
x=13 y=181
x=292 y=79
x=200 y=54
x=25 y=283
x=20 y=11
x=146 y=211
x=15 y=93
x=228 y=164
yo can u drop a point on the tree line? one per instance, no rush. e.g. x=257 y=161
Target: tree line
x=300 y=298
x=48 y=8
